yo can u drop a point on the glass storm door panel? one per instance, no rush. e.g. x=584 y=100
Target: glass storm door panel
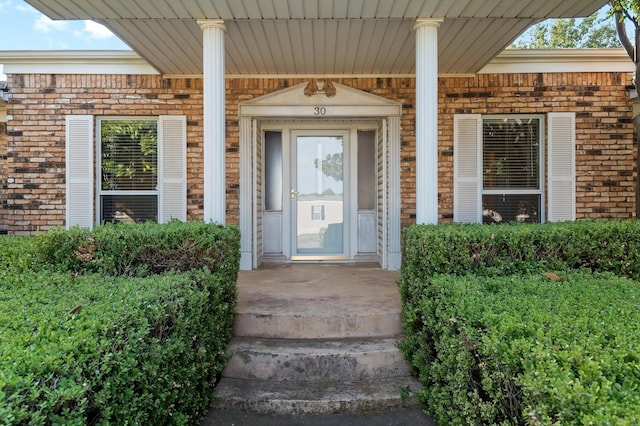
x=318 y=196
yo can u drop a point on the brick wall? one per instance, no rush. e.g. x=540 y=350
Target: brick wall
x=605 y=150
x=3 y=175
x=36 y=146
x=35 y=200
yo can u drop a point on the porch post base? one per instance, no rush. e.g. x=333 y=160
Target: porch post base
x=246 y=261
x=394 y=261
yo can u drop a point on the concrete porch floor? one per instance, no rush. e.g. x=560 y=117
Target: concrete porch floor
x=318 y=301
x=321 y=288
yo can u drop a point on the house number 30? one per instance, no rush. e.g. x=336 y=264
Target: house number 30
x=320 y=111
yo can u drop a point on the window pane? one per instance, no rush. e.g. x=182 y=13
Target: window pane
x=367 y=170
x=507 y=208
x=129 y=155
x=273 y=171
x=129 y=208
x=511 y=153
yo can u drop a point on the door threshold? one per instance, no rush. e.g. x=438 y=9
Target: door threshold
x=320 y=258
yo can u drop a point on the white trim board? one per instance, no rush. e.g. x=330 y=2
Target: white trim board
x=127 y=62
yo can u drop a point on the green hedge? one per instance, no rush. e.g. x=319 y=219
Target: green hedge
x=528 y=350
x=496 y=256
x=79 y=347
x=18 y=253
x=508 y=249
x=141 y=249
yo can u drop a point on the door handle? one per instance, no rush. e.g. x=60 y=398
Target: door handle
x=293 y=194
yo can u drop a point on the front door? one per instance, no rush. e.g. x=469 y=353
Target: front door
x=319 y=196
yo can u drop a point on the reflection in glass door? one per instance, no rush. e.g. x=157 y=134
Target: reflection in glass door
x=317 y=196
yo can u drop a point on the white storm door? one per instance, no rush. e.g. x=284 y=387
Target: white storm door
x=318 y=195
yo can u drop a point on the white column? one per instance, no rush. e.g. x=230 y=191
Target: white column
x=427 y=120
x=394 y=255
x=214 y=120
x=247 y=209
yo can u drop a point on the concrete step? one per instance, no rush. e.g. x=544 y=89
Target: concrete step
x=314 y=360
x=316 y=339
x=318 y=325
x=305 y=398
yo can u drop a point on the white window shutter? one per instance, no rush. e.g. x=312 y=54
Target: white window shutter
x=561 y=154
x=79 y=171
x=172 y=161
x=467 y=168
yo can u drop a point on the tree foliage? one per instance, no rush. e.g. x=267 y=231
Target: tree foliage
x=624 y=12
x=627 y=12
x=592 y=32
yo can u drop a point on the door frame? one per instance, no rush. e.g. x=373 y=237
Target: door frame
x=289 y=129
x=344 y=105
x=348 y=197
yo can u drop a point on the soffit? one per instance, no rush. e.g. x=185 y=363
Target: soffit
x=316 y=36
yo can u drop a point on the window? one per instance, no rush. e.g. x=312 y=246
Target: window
x=317 y=212
x=367 y=179
x=499 y=172
x=140 y=169
x=511 y=169
x=273 y=171
x=128 y=165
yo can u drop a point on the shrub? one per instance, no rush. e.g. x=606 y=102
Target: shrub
x=508 y=249
x=78 y=347
x=18 y=252
x=142 y=248
x=529 y=350
x=441 y=342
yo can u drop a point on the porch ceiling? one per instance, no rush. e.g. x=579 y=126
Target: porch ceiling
x=317 y=36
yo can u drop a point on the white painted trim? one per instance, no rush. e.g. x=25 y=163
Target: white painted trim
x=351 y=201
x=559 y=60
x=269 y=108
x=287 y=217
x=336 y=111
x=258 y=250
x=74 y=62
x=393 y=196
x=384 y=140
x=247 y=249
x=294 y=103
x=348 y=205
x=300 y=76
x=340 y=124
x=127 y=62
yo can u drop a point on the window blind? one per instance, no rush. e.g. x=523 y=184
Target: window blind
x=129 y=170
x=129 y=157
x=511 y=153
